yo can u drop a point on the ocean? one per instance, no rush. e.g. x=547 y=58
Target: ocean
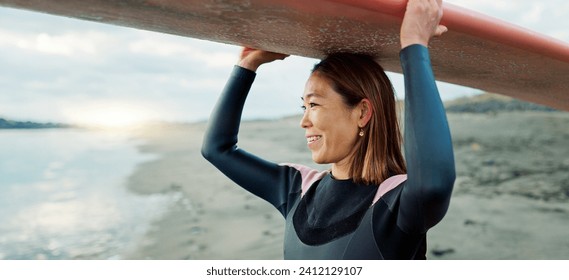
x=63 y=194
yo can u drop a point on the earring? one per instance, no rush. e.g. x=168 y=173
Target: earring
x=361 y=132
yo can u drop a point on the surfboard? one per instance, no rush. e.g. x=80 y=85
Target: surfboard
x=478 y=51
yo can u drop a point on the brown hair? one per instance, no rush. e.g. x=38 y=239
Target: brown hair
x=355 y=77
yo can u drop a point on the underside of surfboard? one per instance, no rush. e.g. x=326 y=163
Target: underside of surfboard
x=478 y=51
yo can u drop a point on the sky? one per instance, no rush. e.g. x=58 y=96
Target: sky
x=59 y=69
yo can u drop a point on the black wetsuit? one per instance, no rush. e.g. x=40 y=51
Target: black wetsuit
x=335 y=219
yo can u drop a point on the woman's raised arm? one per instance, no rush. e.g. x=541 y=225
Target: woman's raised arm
x=262 y=178
x=428 y=146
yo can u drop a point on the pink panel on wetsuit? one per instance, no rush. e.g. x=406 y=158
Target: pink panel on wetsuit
x=389 y=184
x=309 y=175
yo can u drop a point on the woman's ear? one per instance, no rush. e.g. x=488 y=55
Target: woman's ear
x=366 y=111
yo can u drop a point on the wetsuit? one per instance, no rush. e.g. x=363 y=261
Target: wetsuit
x=338 y=219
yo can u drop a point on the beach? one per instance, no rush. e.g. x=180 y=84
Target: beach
x=510 y=199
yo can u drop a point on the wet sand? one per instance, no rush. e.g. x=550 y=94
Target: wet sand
x=510 y=199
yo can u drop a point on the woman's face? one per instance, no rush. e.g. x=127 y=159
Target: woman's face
x=331 y=126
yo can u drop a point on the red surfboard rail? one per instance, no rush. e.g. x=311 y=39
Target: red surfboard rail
x=478 y=51
x=477 y=24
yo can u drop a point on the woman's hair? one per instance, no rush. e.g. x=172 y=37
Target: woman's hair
x=355 y=77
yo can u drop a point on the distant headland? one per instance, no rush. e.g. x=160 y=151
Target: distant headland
x=10 y=124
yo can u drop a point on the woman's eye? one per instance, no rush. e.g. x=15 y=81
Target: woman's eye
x=310 y=105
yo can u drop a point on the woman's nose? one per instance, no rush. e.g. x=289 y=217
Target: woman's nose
x=305 y=121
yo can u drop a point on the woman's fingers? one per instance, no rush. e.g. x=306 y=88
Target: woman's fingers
x=441 y=29
x=421 y=22
x=251 y=58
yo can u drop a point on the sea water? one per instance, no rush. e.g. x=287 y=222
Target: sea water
x=63 y=194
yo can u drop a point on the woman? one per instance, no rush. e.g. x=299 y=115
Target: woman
x=364 y=207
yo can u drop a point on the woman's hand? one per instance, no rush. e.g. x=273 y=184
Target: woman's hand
x=421 y=22
x=252 y=58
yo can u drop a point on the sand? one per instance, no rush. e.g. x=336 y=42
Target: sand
x=510 y=199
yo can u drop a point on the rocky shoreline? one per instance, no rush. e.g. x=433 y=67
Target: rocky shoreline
x=492 y=103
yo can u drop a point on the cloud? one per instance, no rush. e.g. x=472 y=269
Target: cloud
x=547 y=17
x=53 y=66
x=534 y=14
x=67 y=44
x=171 y=49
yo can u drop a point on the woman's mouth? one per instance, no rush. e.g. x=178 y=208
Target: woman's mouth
x=312 y=139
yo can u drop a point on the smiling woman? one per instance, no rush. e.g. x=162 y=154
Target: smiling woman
x=111 y=115
x=372 y=203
